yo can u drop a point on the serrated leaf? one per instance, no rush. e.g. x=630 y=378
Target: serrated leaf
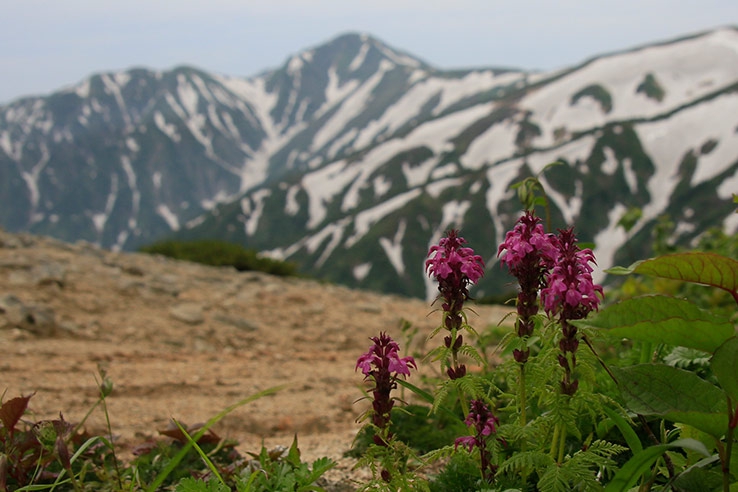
x=724 y=365
x=640 y=462
x=694 y=266
x=674 y=394
x=662 y=319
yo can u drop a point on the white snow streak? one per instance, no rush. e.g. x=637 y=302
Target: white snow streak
x=351 y=107
x=393 y=248
x=364 y=220
x=169 y=217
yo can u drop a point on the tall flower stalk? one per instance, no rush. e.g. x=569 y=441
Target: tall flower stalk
x=528 y=252
x=382 y=365
x=455 y=267
x=484 y=423
x=569 y=294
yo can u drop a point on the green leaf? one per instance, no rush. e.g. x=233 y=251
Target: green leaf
x=193 y=485
x=631 y=438
x=724 y=365
x=202 y=453
x=662 y=319
x=640 y=463
x=695 y=266
x=674 y=394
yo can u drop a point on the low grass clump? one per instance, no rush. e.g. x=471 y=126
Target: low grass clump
x=221 y=253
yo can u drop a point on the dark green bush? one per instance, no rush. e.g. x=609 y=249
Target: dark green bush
x=221 y=253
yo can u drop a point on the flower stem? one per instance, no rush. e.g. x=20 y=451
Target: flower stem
x=732 y=422
x=562 y=445
x=522 y=398
x=555 y=440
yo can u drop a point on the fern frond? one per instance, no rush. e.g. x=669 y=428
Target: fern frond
x=471 y=385
x=472 y=353
x=526 y=462
x=441 y=395
x=438 y=454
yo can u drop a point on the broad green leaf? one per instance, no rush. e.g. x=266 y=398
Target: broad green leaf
x=695 y=266
x=662 y=319
x=641 y=462
x=724 y=365
x=674 y=394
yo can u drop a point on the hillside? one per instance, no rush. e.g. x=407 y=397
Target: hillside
x=184 y=340
x=353 y=157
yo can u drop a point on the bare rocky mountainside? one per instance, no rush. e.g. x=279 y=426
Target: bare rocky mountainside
x=184 y=340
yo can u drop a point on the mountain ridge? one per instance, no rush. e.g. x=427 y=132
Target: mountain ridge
x=353 y=157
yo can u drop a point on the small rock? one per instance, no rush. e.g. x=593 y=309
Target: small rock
x=237 y=322
x=38 y=320
x=49 y=274
x=187 y=313
x=368 y=307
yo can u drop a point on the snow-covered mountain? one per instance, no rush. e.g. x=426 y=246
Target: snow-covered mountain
x=353 y=156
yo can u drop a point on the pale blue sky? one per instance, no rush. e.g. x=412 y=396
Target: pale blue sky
x=48 y=44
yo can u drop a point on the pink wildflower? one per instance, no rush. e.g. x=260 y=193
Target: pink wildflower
x=570 y=287
x=484 y=424
x=383 y=364
x=526 y=243
x=455 y=267
x=449 y=259
x=528 y=252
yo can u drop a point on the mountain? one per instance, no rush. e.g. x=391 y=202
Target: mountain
x=353 y=157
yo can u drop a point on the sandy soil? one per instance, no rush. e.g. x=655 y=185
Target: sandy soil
x=185 y=341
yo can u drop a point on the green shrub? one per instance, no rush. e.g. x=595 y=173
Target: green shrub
x=221 y=253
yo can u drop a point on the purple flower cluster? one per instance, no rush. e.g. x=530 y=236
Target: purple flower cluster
x=569 y=288
x=528 y=253
x=527 y=246
x=562 y=272
x=454 y=267
x=383 y=364
x=485 y=424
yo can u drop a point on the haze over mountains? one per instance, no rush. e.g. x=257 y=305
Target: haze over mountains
x=353 y=157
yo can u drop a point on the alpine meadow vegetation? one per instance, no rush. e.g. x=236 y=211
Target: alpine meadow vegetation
x=630 y=389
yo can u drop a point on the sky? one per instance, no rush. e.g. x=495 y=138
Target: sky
x=46 y=45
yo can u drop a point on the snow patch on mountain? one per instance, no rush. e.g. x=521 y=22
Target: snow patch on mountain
x=608 y=241
x=169 y=217
x=495 y=144
x=168 y=129
x=361 y=271
x=351 y=107
x=364 y=221
x=393 y=248
x=360 y=57
x=323 y=185
x=252 y=208
x=667 y=142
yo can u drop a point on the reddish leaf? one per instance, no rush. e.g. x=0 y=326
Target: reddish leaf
x=174 y=432
x=12 y=410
